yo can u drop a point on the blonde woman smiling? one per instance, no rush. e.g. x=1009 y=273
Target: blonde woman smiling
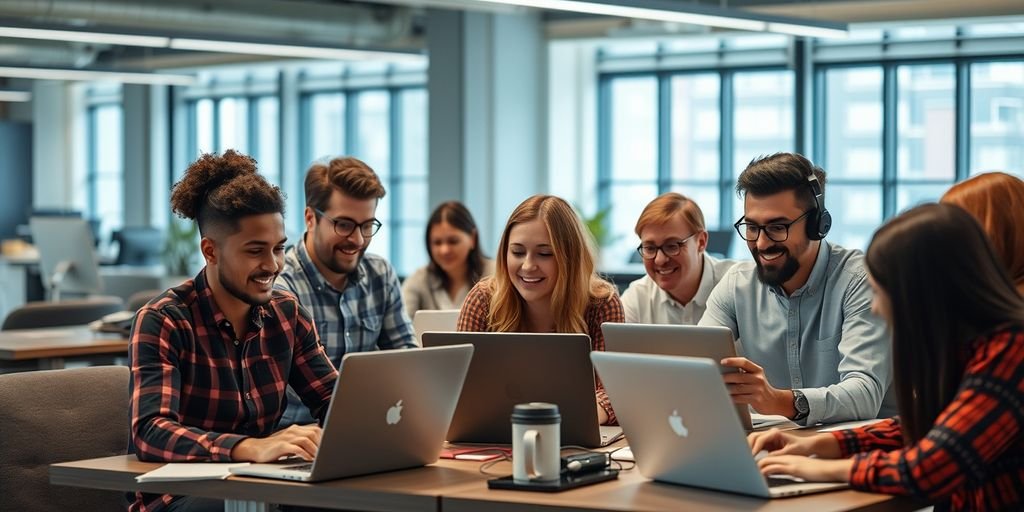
x=545 y=282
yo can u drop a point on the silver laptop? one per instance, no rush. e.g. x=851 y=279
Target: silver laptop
x=390 y=410
x=434 y=320
x=685 y=437
x=713 y=342
x=513 y=368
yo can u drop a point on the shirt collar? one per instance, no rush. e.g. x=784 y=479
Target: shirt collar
x=309 y=268
x=707 y=282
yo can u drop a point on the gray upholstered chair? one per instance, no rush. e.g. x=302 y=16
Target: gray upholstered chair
x=141 y=298
x=65 y=312
x=59 y=416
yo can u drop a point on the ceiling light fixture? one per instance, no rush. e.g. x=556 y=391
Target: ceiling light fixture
x=77 y=36
x=18 y=29
x=286 y=50
x=127 y=77
x=678 y=12
x=15 y=96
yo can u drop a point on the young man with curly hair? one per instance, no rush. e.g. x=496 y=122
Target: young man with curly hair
x=212 y=357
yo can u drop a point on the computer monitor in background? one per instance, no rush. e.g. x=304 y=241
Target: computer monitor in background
x=139 y=246
x=720 y=242
x=67 y=255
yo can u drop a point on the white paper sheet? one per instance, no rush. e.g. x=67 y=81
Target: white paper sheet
x=190 y=471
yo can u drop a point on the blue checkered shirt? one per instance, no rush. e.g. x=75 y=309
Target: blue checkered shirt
x=367 y=315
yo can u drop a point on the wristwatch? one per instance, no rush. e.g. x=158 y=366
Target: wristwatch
x=800 y=404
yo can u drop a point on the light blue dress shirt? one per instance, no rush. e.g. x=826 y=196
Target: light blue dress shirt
x=823 y=339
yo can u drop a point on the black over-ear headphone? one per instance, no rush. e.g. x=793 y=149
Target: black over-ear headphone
x=819 y=221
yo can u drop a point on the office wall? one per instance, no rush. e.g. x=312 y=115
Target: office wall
x=16 y=170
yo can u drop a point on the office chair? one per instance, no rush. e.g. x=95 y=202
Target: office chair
x=56 y=314
x=138 y=246
x=59 y=416
x=141 y=298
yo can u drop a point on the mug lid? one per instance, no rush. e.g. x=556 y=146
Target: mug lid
x=536 y=413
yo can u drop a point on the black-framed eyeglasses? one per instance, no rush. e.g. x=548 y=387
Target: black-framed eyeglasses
x=776 y=231
x=345 y=226
x=673 y=248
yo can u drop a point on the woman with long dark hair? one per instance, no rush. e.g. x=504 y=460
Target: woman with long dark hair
x=456 y=261
x=957 y=327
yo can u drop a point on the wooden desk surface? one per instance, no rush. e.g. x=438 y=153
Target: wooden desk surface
x=25 y=344
x=455 y=486
x=633 y=492
x=417 y=489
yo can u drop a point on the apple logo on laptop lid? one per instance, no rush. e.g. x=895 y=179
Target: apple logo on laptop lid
x=394 y=413
x=676 y=422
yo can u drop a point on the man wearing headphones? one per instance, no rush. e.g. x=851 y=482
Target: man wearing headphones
x=801 y=311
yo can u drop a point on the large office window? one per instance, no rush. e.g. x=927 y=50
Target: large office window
x=385 y=127
x=997 y=116
x=875 y=174
x=925 y=132
x=248 y=124
x=105 y=172
x=633 y=169
x=666 y=132
x=853 y=134
x=894 y=115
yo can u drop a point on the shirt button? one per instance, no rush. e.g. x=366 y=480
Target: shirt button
x=248 y=396
x=236 y=343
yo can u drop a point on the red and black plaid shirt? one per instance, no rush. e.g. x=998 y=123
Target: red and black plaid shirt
x=476 y=308
x=196 y=390
x=973 y=457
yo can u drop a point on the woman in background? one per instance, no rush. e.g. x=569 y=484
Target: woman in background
x=957 y=327
x=456 y=262
x=545 y=282
x=990 y=198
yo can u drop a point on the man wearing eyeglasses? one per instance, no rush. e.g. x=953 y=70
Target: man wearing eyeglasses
x=355 y=298
x=680 y=273
x=813 y=351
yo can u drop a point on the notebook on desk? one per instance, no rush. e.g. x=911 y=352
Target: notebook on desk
x=715 y=343
x=681 y=427
x=514 y=368
x=390 y=410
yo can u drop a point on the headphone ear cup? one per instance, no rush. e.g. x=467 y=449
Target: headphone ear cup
x=824 y=224
x=819 y=224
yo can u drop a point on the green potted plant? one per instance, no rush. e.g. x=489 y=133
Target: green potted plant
x=597 y=224
x=181 y=247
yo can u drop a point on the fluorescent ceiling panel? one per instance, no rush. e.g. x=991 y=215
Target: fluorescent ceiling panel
x=679 y=12
x=12 y=96
x=127 y=77
x=283 y=50
x=84 y=37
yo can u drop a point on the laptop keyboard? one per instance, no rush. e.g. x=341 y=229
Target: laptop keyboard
x=301 y=467
x=780 y=481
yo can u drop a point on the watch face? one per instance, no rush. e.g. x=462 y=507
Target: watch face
x=800 y=404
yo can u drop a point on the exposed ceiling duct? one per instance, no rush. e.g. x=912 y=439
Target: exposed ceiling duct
x=300 y=21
